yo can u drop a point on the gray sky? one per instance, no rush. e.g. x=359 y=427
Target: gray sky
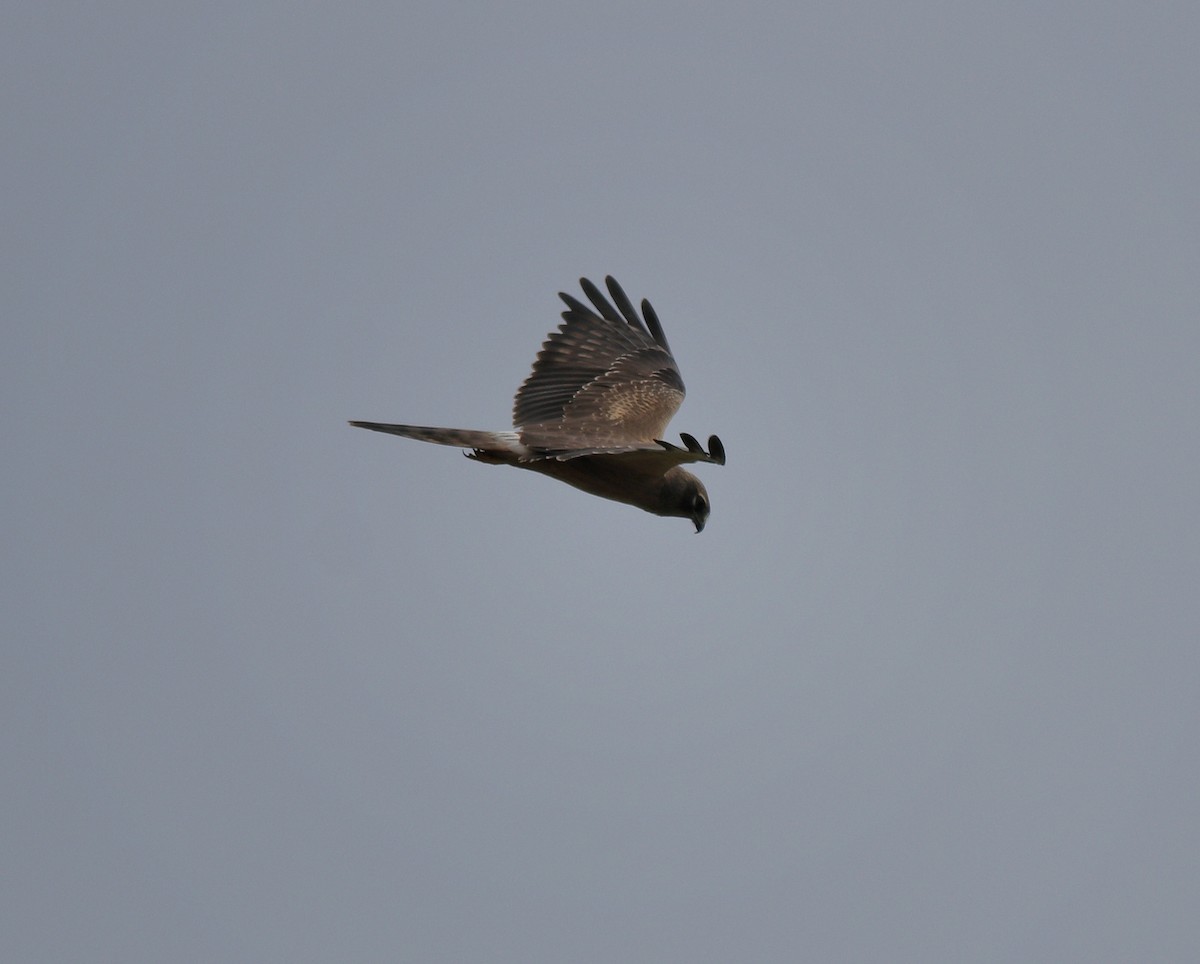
x=925 y=688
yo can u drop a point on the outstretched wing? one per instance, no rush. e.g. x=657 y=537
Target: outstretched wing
x=605 y=381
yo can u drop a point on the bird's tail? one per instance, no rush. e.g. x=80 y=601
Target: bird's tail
x=488 y=446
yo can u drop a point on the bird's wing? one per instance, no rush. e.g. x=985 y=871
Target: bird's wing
x=559 y=441
x=604 y=381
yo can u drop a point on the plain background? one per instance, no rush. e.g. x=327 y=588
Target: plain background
x=925 y=689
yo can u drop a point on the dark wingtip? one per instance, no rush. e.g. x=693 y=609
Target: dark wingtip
x=590 y=289
x=715 y=453
x=574 y=304
x=596 y=297
x=716 y=450
x=624 y=305
x=654 y=325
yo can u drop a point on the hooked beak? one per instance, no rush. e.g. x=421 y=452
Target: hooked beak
x=699 y=522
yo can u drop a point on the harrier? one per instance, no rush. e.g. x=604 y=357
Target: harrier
x=593 y=411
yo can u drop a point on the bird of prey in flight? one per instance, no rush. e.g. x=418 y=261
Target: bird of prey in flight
x=593 y=412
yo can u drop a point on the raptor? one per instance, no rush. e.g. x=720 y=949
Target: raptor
x=594 y=409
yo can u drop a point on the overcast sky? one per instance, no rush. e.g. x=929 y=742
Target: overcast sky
x=925 y=688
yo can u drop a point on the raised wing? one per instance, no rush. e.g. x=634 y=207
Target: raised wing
x=604 y=381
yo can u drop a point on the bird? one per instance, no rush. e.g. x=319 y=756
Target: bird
x=593 y=410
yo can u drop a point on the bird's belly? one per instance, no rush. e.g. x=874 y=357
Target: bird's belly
x=604 y=476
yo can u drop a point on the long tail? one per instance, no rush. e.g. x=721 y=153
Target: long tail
x=505 y=445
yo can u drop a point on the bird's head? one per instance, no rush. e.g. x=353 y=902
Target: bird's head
x=684 y=495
